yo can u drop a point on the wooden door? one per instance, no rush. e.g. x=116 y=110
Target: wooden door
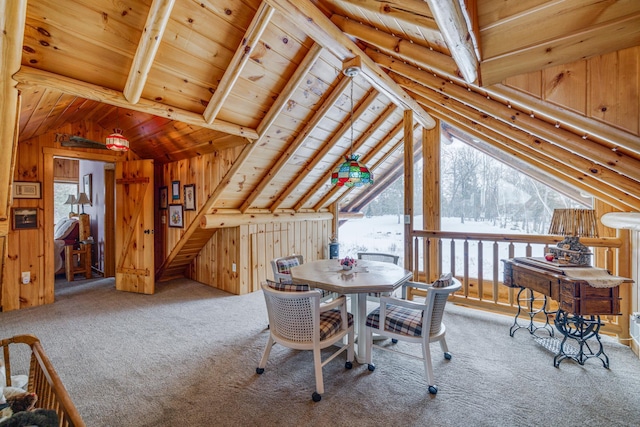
x=134 y=226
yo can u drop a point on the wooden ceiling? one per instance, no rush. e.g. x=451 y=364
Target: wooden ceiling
x=184 y=78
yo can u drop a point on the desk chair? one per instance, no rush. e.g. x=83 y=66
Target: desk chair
x=413 y=321
x=298 y=320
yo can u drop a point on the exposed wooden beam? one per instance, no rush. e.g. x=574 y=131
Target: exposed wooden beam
x=409 y=11
x=292 y=84
x=320 y=183
x=150 y=40
x=12 y=20
x=398 y=46
x=384 y=142
x=293 y=147
x=566 y=118
x=604 y=157
x=276 y=107
x=259 y=23
x=452 y=22
x=323 y=31
x=323 y=150
x=31 y=77
x=220 y=220
x=537 y=153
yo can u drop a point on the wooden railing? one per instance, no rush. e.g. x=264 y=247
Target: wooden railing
x=475 y=259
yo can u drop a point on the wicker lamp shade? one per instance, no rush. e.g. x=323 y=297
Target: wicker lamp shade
x=573 y=224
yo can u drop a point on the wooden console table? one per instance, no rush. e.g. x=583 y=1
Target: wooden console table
x=580 y=305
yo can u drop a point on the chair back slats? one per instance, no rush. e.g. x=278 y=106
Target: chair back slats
x=379 y=256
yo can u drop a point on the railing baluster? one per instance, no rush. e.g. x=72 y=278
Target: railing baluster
x=496 y=270
x=480 y=271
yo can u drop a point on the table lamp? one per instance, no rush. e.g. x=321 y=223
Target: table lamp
x=71 y=200
x=83 y=200
x=573 y=224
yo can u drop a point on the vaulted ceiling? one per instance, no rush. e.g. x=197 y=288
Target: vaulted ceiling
x=183 y=78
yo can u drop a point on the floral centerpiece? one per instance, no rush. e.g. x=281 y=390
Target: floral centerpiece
x=347 y=263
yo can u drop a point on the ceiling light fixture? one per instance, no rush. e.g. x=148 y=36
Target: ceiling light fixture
x=116 y=141
x=351 y=173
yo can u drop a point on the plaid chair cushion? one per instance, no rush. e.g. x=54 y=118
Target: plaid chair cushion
x=287 y=286
x=400 y=320
x=330 y=322
x=284 y=265
x=444 y=281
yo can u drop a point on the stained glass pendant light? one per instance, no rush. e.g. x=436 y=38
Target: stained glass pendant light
x=117 y=142
x=351 y=173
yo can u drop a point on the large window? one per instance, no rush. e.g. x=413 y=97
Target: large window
x=479 y=194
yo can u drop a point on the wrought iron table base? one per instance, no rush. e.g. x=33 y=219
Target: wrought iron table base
x=581 y=329
x=532 y=312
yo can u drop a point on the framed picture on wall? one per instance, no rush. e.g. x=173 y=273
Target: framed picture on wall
x=176 y=216
x=175 y=190
x=164 y=197
x=24 y=218
x=190 y=197
x=26 y=190
x=87 y=184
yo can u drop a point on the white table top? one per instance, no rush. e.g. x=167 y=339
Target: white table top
x=366 y=276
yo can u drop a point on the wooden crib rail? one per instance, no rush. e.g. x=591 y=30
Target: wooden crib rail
x=44 y=381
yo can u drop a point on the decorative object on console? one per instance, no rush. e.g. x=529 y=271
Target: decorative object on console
x=83 y=200
x=573 y=224
x=351 y=173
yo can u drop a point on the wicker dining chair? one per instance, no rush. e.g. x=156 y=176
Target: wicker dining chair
x=412 y=321
x=298 y=320
x=282 y=267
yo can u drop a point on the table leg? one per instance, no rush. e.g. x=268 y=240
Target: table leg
x=581 y=329
x=359 y=311
x=526 y=305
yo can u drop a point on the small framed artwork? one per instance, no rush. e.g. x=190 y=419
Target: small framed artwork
x=190 y=197
x=87 y=182
x=26 y=190
x=24 y=218
x=176 y=216
x=175 y=190
x=164 y=197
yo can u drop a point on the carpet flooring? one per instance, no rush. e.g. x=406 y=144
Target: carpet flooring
x=186 y=356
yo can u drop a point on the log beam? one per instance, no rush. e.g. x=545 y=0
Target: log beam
x=259 y=23
x=298 y=141
x=32 y=77
x=221 y=220
x=12 y=21
x=324 y=149
x=357 y=144
x=147 y=48
x=602 y=157
x=323 y=31
x=452 y=22
x=511 y=142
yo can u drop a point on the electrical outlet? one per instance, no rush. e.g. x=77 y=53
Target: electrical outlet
x=26 y=277
x=233 y=267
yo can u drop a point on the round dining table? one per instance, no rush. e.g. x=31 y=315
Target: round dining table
x=364 y=278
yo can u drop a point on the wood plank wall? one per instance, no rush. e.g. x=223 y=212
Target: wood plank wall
x=252 y=247
x=26 y=248
x=605 y=88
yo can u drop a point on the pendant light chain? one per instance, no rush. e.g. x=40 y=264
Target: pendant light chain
x=351 y=115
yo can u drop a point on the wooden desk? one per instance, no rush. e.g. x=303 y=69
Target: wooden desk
x=77 y=260
x=367 y=276
x=580 y=305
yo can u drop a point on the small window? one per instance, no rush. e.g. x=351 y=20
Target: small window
x=61 y=192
